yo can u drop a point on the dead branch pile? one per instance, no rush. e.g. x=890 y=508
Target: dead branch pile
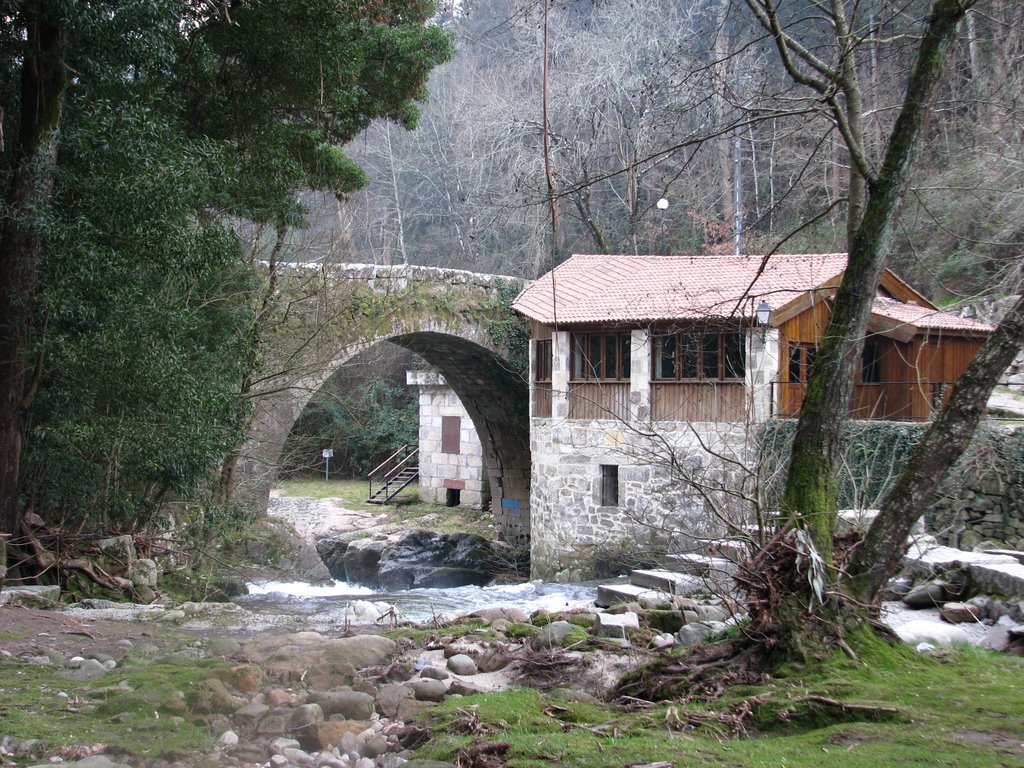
x=545 y=669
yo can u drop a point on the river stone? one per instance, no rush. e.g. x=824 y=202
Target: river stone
x=553 y=635
x=957 y=613
x=247 y=678
x=464 y=688
x=250 y=714
x=424 y=559
x=926 y=595
x=711 y=613
x=492 y=660
x=461 y=664
x=508 y=613
x=434 y=673
x=88 y=669
x=305 y=715
x=693 y=633
x=351 y=705
x=426 y=689
x=329 y=733
x=276 y=722
x=390 y=696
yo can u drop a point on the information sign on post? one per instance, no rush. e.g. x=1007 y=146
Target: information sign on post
x=328 y=454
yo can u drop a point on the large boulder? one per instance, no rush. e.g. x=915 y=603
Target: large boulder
x=361 y=562
x=332 y=552
x=428 y=559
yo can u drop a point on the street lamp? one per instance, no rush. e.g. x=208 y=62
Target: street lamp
x=764 y=314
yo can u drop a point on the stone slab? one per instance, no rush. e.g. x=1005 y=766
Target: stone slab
x=1014 y=553
x=929 y=560
x=998 y=578
x=700 y=565
x=27 y=593
x=611 y=594
x=666 y=581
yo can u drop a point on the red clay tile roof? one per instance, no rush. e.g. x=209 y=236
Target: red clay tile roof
x=926 y=318
x=597 y=289
x=603 y=288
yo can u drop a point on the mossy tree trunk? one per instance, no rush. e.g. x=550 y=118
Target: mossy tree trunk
x=945 y=440
x=43 y=85
x=810 y=498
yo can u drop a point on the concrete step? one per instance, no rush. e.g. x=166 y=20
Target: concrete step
x=668 y=581
x=611 y=594
x=700 y=565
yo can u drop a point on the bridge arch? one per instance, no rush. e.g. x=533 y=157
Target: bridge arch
x=447 y=317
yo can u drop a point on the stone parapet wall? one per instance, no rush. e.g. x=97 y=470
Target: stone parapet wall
x=672 y=493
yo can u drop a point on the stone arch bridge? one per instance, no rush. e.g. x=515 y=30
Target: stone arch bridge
x=319 y=317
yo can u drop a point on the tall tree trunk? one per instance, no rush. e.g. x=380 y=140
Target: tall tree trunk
x=810 y=498
x=43 y=85
x=945 y=440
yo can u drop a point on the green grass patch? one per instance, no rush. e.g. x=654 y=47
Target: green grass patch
x=138 y=708
x=963 y=707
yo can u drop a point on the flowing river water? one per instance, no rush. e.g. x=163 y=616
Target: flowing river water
x=341 y=602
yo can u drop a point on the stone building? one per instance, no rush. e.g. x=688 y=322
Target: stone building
x=451 y=458
x=646 y=373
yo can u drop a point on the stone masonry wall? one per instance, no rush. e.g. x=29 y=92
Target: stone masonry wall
x=660 y=509
x=441 y=471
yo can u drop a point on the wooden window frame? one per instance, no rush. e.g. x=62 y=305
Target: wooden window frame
x=582 y=365
x=696 y=343
x=543 y=361
x=801 y=354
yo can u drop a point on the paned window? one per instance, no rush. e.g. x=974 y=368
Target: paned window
x=699 y=357
x=600 y=356
x=801 y=357
x=542 y=364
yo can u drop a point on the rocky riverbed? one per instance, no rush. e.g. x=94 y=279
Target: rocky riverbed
x=99 y=684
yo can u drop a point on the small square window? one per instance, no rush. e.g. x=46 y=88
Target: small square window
x=609 y=485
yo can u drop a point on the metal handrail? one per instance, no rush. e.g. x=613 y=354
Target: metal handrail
x=386 y=461
x=390 y=473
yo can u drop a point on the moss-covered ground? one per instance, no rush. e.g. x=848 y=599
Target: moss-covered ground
x=953 y=708
x=142 y=708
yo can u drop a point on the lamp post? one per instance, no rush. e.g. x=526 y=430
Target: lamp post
x=764 y=314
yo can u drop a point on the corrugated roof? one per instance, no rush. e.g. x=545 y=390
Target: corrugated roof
x=600 y=288
x=607 y=288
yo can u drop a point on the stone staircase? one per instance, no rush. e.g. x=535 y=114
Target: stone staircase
x=683 y=576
